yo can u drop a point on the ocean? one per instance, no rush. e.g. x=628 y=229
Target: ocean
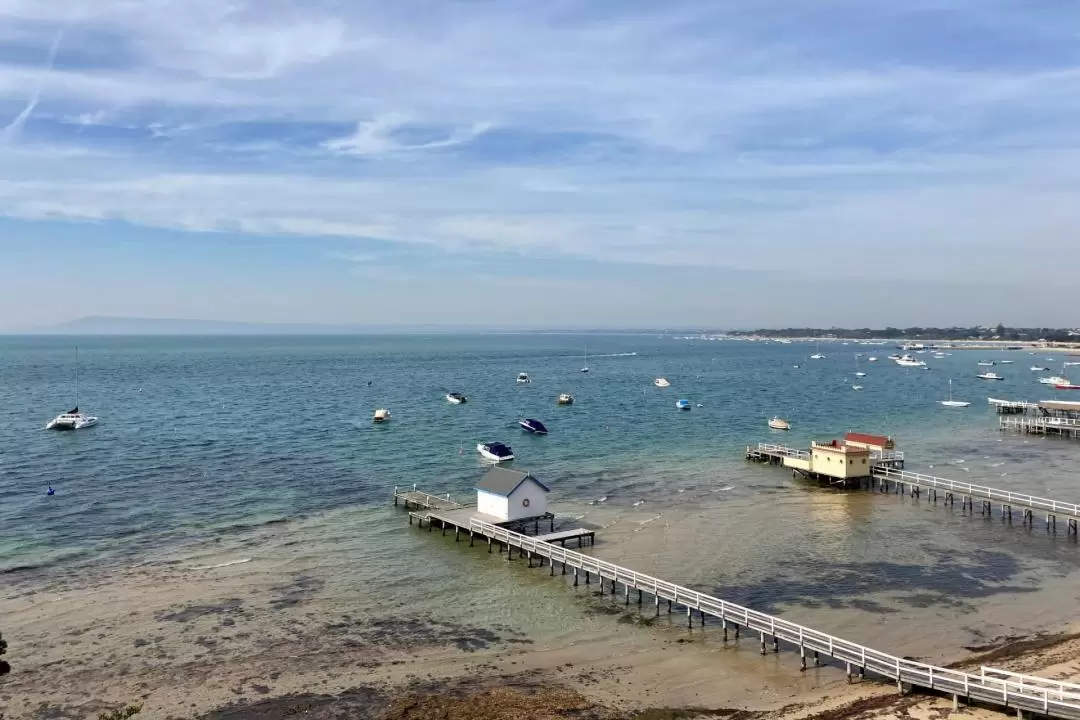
x=257 y=456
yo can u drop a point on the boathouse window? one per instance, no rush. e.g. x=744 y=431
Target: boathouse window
x=864 y=461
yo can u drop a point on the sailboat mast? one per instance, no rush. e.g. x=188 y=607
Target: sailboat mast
x=76 y=376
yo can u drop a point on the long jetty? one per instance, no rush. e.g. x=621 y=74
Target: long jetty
x=1022 y=693
x=917 y=483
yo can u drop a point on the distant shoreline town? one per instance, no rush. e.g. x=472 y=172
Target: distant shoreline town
x=992 y=337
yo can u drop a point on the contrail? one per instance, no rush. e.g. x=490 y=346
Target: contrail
x=12 y=129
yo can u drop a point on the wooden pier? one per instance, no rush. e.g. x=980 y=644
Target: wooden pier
x=1041 y=425
x=1019 y=693
x=775 y=454
x=918 y=484
x=421 y=500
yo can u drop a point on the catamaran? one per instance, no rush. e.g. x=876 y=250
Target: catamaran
x=73 y=419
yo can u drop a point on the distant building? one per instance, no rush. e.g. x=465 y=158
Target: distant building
x=511 y=495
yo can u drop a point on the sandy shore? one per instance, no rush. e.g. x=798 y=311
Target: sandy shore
x=205 y=643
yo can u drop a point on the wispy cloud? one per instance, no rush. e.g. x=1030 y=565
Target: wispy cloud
x=720 y=134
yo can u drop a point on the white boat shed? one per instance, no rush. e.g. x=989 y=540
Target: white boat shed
x=511 y=495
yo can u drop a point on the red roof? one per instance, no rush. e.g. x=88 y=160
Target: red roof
x=874 y=440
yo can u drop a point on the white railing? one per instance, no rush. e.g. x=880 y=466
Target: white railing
x=986 y=688
x=433 y=501
x=1063 y=690
x=782 y=450
x=887 y=455
x=979 y=491
x=1051 y=420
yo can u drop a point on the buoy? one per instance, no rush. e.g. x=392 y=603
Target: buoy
x=50 y=491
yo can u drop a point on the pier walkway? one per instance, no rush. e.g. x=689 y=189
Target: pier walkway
x=1021 y=694
x=421 y=500
x=1041 y=425
x=988 y=496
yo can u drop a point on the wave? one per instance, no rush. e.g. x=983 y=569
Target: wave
x=221 y=565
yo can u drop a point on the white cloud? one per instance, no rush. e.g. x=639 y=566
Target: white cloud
x=702 y=134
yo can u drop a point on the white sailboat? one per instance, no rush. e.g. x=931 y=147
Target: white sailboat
x=585 y=367
x=817 y=354
x=73 y=419
x=953 y=403
x=858 y=373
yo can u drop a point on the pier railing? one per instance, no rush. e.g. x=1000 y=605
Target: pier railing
x=1006 y=497
x=426 y=500
x=783 y=450
x=1064 y=690
x=1043 y=421
x=1006 y=691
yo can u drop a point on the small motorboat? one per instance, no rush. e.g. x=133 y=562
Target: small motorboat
x=1067 y=386
x=72 y=420
x=856 y=387
x=682 y=404
x=661 y=382
x=871 y=359
x=778 y=423
x=381 y=415
x=533 y=426
x=1054 y=380
x=495 y=452
x=1036 y=368
x=983 y=363
x=817 y=356
x=908 y=360
x=1007 y=362
x=523 y=378
x=894 y=356
x=565 y=399
x=796 y=366
x=456 y=398
x=860 y=374
x=989 y=375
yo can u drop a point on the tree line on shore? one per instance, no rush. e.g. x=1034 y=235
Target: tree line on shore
x=1000 y=332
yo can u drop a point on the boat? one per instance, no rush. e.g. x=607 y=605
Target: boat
x=953 y=403
x=585 y=367
x=682 y=404
x=989 y=375
x=907 y=360
x=523 y=378
x=778 y=423
x=894 y=356
x=1007 y=362
x=983 y=363
x=858 y=373
x=533 y=426
x=1036 y=368
x=73 y=419
x=1054 y=380
x=1067 y=386
x=381 y=415
x=495 y=452
x=817 y=353
x=871 y=359
x=661 y=382
x=856 y=387
x=565 y=399
x=796 y=366
x=456 y=398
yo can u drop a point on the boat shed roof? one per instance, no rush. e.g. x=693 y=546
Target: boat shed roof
x=501 y=481
x=880 y=441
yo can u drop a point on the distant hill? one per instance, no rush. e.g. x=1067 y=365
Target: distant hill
x=101 y=325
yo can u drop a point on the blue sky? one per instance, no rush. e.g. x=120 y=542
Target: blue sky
x=762 y=162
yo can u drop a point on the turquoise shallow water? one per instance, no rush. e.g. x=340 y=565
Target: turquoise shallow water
x=208 y=436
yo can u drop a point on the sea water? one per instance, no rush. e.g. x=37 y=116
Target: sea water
x=260 y=452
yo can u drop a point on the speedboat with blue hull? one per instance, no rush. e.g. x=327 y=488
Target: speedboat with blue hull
x=533 y=426
x=495 y=452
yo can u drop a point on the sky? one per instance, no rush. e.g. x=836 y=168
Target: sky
x=600 y=163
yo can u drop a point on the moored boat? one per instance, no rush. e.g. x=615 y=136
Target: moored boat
x=456 y=398
x=381 y=415
x=778 y=423
x=523 y=378
x=535 y=427
x=565 y=399
x=73 y=419
x=682 y=404
x=661 y=382
x=495 y=452
x=989 y=375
